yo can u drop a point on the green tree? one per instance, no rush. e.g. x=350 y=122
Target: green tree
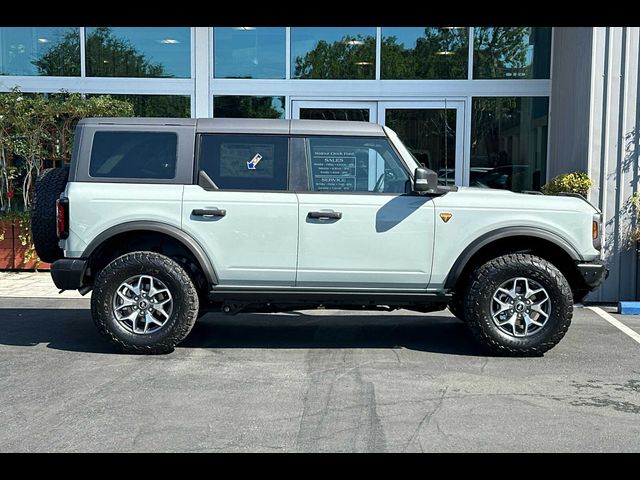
x=36 y=127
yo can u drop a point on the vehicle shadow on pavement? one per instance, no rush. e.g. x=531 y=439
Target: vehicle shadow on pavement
x=73 y=330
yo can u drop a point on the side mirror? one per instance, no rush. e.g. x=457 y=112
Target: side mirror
x=425 y=180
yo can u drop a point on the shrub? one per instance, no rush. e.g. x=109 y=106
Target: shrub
x=576 y=182
x=35 y=127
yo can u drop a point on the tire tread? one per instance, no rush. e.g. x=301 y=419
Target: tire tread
x=187 y=316
x=474 y=298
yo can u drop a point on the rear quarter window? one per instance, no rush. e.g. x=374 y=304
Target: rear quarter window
x=150 y=155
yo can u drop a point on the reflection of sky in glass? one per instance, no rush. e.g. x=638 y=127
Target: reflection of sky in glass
x=278 y=104
x=404 y=35
x=20 y=46
x=169 y=46
x=249 y=52
x=305 y=39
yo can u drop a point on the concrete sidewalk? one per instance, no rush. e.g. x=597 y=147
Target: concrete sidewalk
x=33 y=285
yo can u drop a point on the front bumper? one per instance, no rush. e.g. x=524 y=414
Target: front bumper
x=68 y=273
x=593 y=273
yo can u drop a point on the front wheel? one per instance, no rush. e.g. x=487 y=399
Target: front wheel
x=144 y=302
x=518 y=304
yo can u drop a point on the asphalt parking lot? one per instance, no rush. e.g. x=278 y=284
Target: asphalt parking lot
x=312 y=381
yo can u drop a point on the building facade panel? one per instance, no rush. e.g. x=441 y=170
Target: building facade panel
x=613 y=152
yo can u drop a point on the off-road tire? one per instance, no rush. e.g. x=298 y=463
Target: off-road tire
x=173 y=275
x=47 y=189
x=485 y=280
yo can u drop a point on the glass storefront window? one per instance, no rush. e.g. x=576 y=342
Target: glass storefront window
x=172 y=106
x=333 y=52
x=51 y=51
x=249 y=52
x=509 y=142
x=138 y=52
x=349 y=114
x=512 y=52
x=430 y=134
x=425 y=53
x=232 y=106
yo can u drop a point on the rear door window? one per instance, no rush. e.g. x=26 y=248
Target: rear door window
x=245 y=162
x=134 y=155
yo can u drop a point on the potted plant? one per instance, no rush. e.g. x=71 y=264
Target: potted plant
x=575 y=182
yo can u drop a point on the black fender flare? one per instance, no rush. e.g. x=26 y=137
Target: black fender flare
x=505 y=232
x=145 y=225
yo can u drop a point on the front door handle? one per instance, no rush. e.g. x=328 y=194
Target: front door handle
x=208 y=212
x=327 y=215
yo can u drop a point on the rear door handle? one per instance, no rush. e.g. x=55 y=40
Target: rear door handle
x=208 y=212
x=327 y=215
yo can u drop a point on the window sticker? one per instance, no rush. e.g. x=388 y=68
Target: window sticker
x=334 y=168
x=251 y=164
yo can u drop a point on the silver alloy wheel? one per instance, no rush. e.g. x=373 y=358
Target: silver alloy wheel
x=520 y=307
x=142 y=304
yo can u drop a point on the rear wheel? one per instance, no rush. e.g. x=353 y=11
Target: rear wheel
x=518 y=304
x=144 y=302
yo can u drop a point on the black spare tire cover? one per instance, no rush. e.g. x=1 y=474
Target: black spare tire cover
x=48 y=187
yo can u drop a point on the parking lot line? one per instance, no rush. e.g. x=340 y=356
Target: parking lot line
x=616 y=323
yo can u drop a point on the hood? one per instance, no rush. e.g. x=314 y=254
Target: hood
x=505 y=199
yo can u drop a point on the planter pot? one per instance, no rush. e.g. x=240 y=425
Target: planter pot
x=12 y=252
x=6 y=245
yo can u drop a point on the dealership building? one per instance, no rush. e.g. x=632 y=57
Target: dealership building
x=495 y=107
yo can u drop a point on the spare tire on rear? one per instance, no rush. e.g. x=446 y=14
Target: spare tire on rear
x=47 y=189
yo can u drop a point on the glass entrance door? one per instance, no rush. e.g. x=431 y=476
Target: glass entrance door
x=335 y=110
x=433 y=131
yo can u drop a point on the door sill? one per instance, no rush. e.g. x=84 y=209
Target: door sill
x=325 y=296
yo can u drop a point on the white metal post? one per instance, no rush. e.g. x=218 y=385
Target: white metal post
x=203 y=58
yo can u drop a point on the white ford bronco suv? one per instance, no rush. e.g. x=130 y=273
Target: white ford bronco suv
x=166 y=219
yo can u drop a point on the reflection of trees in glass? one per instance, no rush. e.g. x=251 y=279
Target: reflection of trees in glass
x=489 y=117
x=62 y=59
x=430 y=134
x=440 y=53
x=175 y=106
x=508 y=141
x=107 y=56
x=247 y=107
x=352 y=57
x=349 y=114
x=110 y=56
x=511 y=52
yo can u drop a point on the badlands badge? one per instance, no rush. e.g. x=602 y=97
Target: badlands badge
x=445 y=217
